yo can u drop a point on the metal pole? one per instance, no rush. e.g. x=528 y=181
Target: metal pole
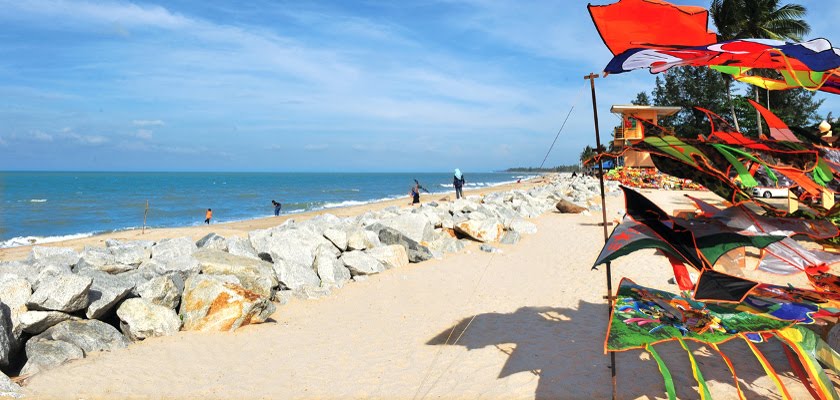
x=609 y=297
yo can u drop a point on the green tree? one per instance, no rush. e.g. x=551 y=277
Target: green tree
x=587 y=153
x=641 y=99
x=762 y=19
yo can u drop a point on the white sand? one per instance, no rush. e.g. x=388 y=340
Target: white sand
x=538 y=332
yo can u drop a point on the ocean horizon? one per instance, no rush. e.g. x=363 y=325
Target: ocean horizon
x=48 y=206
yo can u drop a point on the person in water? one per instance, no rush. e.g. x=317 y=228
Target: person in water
x=414 y=193
x=458 y=181
x=208 y=216
x=277 y=207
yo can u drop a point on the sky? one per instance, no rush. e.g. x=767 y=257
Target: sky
x=267 y=85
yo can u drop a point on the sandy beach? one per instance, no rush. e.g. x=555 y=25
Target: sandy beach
x=528 y=322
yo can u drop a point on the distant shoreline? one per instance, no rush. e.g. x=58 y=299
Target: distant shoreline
x=241 y=228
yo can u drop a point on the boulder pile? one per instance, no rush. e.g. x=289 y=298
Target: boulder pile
x=60 y=304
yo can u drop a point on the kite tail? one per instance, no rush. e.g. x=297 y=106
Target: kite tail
x=663 y=369
x=698 y=376
x=767 y=368
x=731 y=369
x=796 y=365
x=797 y=339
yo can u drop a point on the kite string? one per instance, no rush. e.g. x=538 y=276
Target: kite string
x=446 y=343
x=563 y=125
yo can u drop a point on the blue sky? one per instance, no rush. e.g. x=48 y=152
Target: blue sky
x=306 y=85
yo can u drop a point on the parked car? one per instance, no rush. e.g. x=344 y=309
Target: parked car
x=768 y=192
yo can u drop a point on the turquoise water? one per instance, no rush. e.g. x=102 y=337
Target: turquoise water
x=50 y=206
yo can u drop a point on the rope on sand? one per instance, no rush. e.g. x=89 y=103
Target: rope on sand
x=452 y=331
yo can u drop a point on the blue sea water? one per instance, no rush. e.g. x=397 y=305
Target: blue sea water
x=49 y=206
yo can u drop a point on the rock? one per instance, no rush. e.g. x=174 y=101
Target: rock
x=212 y=241
x=9 y=388
x=510 y=237
x=14 y=294
x=18 y=269
x=94 y=258
x=183 y=267
x=42 y=355
x=567 y=207
x=130 y=253
x=254 y=275
x=414 y=226
x=391 y=256
x=331 y=271
x=295 y=276
x=210 y=305
x=89 y=335
x=446 y=244
x=360 y=263
x=162 y=291
x=488 y=248
x=40 y=256
x=522 y=226
x=337 y=237
x=66 y=293
x=357 y=240
x=106 y=291
x=241 y=247
x=416 y=252
x=489 y=230
x=312 y=293
x=35 y=322
x=141 y=319
x=5 y=336
x=289 y=244
x=173 y=249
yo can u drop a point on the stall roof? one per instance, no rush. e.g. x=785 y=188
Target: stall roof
x=662 y=111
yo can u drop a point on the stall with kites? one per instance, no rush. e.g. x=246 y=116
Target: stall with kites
x=718 y=305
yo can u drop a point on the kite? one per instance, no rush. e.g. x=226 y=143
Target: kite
x=643 y=317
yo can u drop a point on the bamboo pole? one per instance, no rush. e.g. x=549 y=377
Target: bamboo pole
x=609 y=297
x=145 y=213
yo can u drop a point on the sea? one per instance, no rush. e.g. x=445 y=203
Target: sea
x=42 y=207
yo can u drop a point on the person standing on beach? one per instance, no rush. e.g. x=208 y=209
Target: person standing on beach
x=277 y=207
x=208 y=216
x=458 y=181
x=414 y=193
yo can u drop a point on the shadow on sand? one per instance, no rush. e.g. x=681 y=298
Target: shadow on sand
x=563 y=347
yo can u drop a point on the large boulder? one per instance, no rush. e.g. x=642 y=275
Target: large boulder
x=360 y=263
x=292 y=245
x=173 y=249
x=130 y=253
x=40 y=256
x=331 y=271
x=14 y=293
x=414 y=226
x=8 y=388
x=567 y=207
x=212 y=241
x=162 y=290
x=338 y=237
x=107 y=290
x=211 y=305
x=94 y=258
x=35 y=322
x=294 y=276
x=488 y=230
x=18 y=269
x=255 y=275
x=63 y=292
x=89 y=335
x=44 y=354
x=140 y=319
x=5 y=336
x=240 y=247
x=445 y=244
x=183 y=267
x=522 y=226
x=388 y=236
x=510 y=237
x=391 y=256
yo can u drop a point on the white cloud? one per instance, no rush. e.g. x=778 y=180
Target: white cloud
x=144 y=134
x=3 y=142
x=316 y=147
x=87 y=140
x=41 y=136
x=148 y=122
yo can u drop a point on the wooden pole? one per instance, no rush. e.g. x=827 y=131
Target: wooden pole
x=145 y=213
x=609 y=296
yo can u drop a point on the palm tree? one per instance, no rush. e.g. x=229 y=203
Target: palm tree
x=761 y=19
